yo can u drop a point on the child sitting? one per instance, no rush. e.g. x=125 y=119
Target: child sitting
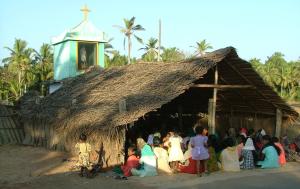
x=132 y=162
x=84 y=149
x=229 y=157
x=162 y=157
x=212 y=163
x=270 y=154
x=282 y=160
x=247 y=158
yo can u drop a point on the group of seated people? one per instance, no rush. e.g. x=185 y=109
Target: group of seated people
x=203 y=153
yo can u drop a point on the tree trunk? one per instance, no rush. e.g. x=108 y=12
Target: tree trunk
x=129 y=48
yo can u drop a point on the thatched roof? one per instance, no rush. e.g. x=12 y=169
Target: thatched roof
x=92 y=99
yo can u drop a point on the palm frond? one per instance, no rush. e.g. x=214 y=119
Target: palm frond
x=138 y=28
x=139 y=39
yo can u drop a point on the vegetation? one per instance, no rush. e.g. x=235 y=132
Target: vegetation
x=26 y=68
x=282 y=76
x=128 y=30
x=201 y=48
x=151 y=51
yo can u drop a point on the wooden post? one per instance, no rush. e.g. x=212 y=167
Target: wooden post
x=278 y=122
x=180 y=118
x=214 y=105
x=210 y=110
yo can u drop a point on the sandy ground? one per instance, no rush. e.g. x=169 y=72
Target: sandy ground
x=32 y=168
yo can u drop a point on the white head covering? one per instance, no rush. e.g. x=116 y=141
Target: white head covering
x=249 y=145
x=263 y=132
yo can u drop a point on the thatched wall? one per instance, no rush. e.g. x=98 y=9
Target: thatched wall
x=40 y=133
x=11 y=131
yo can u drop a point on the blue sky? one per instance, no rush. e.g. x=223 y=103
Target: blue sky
x=257 y=28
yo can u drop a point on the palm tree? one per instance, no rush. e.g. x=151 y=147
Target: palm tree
x=44 y=66
x=172 y=55
x=19 y=61
x=151 y=50
x=129 y=30
x=201 y=47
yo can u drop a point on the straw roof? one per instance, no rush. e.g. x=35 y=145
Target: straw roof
x=92 y=100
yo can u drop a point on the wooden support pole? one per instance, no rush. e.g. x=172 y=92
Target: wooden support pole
x=223 y=86
x=209 y=111
x=180 y=118
x=214 y=105
x=278 y=123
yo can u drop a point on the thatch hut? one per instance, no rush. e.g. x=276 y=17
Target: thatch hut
x=107 y=104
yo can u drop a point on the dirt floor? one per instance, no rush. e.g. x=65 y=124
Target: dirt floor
x=24 y=167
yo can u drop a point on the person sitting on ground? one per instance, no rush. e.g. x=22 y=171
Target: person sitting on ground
x=157 y=134
x=247 y=158
x=282 y=160
x=83 y=149
x=188 y=165
x=150 y=139
x=132 y=162
x=270 y=154
x=212 y=163
x=162 y=157
x=147 y=160
x=200 y=151
x=240 y=144
x=229 y=157
x=166 y=141
x=175 y=151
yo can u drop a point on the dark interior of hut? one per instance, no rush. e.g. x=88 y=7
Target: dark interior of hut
x=180 y=115
x=191 y=108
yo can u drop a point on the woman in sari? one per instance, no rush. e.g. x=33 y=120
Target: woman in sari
x=147 y=160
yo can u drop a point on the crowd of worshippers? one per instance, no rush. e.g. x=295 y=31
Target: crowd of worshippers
x=202 y=153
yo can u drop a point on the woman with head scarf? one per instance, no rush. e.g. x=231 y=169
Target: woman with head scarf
x=247 y=159
x=147 y=160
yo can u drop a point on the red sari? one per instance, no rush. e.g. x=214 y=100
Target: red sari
x=282 y=160
x=132 y=162
x=192 y=167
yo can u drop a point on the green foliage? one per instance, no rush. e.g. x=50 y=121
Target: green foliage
x=172 y=55
x=282 y=76
x=24 y=69
x=151 y=50
x=116 y=60
x=128 y=30
x=201 y=47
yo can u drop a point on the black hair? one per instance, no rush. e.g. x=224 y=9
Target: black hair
x=241 y=138
x=156 y=141
x=83 y=137
x=229 y=142
x=199 y=129
x=212 y=141
x=275 y=139
x=250 y=132
x=271 y=143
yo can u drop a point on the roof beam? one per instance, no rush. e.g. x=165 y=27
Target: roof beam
x=223 y=86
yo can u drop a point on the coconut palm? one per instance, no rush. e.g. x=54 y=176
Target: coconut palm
x=44 y=66
x=151 y=50
x=172 y=55
x=201 y=47
x=20 y=62
x=128 y=30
